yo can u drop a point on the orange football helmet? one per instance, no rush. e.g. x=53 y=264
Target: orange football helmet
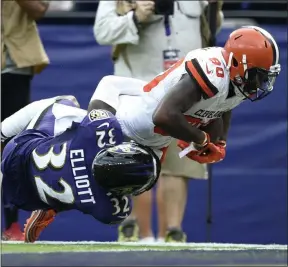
x=252 y=61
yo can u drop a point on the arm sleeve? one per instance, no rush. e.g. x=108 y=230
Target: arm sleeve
x=111 y=29
x=17 y=122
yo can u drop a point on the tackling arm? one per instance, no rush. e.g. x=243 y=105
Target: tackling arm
x=169 y=113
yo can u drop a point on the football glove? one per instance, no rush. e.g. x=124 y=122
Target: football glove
x=221 y=144
x=188 y=149
x=210 y=153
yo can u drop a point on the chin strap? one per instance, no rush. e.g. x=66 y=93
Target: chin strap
x=229 y=61
x=244 y=62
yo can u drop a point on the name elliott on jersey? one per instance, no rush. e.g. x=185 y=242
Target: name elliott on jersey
x=80 y=174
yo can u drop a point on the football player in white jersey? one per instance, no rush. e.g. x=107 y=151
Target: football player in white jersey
x=199 y=89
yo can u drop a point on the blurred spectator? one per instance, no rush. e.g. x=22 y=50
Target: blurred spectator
x=23 y=55
x=141 y=49
x=60 y=5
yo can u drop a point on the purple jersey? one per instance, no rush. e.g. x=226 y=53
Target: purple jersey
x=43 y=171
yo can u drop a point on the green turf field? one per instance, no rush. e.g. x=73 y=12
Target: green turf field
x=46 y=247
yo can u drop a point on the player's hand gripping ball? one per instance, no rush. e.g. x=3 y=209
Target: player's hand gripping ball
x=214 y=129
x=215 y=150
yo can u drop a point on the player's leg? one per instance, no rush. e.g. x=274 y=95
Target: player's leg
x=46 y=119
x=111 y=87
x=15 y=90
x=161 y=213
x=176 y=173
x=25 y=117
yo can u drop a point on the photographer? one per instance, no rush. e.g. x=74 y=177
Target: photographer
x=147 y=38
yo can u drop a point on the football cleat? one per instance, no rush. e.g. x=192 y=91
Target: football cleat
x=37 y=222
x=13 y=233
x=175 y=235
x=128 y=231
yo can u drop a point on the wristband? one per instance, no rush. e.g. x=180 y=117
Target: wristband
x=204 y=143
x=222 y=143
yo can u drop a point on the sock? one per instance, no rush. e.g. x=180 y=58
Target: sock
x=11 y=216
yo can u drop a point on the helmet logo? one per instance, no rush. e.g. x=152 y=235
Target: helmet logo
x=123 y=149
x=98 y=114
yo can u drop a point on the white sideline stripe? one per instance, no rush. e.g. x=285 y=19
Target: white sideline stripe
x=89 y=251
x=206 y=246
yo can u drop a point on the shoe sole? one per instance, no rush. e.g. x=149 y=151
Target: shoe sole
x=29 y=232
x=6 y=237
x=128 y=239
x=170 y=239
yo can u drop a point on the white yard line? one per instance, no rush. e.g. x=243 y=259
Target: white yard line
x=136 y=246
x=84 y=251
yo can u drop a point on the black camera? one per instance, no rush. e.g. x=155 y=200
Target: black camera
x=164 y=7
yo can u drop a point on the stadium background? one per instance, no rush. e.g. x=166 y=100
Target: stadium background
x=249 y=187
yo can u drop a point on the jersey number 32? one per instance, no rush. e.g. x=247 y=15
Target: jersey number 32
x=55 y=161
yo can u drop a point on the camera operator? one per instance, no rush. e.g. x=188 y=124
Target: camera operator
x=147 y=38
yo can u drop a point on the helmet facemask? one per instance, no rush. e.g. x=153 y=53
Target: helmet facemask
x=256 y=82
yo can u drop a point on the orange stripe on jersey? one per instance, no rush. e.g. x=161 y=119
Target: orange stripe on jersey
x=148 y=87
x=195 y=71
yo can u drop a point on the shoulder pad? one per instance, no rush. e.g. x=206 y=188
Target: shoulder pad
x=208 y=72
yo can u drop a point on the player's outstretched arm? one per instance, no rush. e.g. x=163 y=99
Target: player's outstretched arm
x=169 y=113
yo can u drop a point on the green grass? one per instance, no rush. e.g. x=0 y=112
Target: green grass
x=42 y=247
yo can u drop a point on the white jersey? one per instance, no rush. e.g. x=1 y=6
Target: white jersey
x=134 y=112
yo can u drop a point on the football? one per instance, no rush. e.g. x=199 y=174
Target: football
x=214 y=129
